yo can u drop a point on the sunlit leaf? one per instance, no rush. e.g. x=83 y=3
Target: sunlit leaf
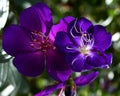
x=4 y=9
x=19 y=83
x=4 y=57
x=10 y=78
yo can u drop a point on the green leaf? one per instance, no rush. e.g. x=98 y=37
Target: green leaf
x=3 y=74
x=20 y=84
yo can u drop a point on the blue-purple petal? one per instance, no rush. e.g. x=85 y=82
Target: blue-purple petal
x=86 y=79
x=57 y=67
x=84 y=24
x=62 y=40
x=50 y=89
x=102 y=39
x=100 y=60
x=31 y=64
x=78 y=62
x=37 y=18
x=16 y=40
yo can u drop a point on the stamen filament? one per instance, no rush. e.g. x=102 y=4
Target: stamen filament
x=40 y=41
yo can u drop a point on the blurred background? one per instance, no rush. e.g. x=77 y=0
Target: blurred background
x=104 y=12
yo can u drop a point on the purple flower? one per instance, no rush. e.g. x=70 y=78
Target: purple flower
x=79 y=81
x=31 y=44
x=84 y=45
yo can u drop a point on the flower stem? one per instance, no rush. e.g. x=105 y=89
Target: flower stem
x=70 y=88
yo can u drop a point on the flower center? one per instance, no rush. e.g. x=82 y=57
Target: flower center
x=86 y=43
x=40 y=41
x=84 y=51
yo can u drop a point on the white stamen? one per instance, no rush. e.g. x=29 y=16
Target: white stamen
x=86 y=42
x=75 y=26
x=67 y=47
x=71 y=32
x=74 y=60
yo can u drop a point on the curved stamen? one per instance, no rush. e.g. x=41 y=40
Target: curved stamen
x=69 y=48
x=86 y=41
x=74 y=60
x=80 y=27
x=74 y=26
x=71 y=32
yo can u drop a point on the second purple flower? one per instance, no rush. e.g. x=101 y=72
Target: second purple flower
x=84 y=45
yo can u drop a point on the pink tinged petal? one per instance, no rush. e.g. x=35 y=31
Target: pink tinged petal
x=37 y=18
x=16 y=41
x=50 y=89
x=102 y=39
x=31 y=64
x=84 y=24
x=86 y=79
x=57 y=67
x=100 y=60
x=61 y=26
